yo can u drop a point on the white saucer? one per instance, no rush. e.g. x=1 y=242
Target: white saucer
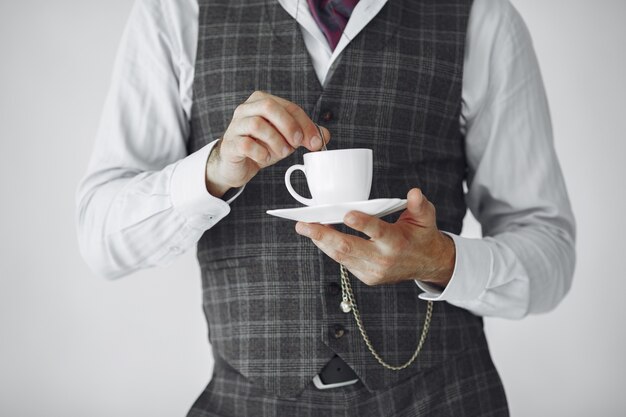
x=334 y=213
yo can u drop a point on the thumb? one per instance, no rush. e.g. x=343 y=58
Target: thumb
x=419 y=210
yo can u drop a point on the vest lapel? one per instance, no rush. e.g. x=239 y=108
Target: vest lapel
x=287 y=31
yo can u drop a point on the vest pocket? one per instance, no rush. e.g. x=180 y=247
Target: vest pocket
x=232 y=262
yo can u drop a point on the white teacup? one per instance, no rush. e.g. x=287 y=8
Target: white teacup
x=333 y=177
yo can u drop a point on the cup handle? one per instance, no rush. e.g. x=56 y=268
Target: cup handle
x=294 y=194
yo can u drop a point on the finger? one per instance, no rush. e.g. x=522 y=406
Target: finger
x=275 y=113
x=364 y=270
x=251 y=149
x=312 y=140
x=261 y=130
x=358 y=255
x=366 y=276
x=353 y=263
x=419 y=210
x=335 y=244
x=370 y=225
x=324 y=139
x=257 y=95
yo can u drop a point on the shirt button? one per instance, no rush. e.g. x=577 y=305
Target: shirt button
x=327 y=116
x=338 y=331
x=333 y=288
x=175 y=249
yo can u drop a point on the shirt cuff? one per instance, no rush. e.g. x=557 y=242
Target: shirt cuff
x=189 y=195
x=473 y=268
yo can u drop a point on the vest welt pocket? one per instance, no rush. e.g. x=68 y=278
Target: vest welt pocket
x=209 y=262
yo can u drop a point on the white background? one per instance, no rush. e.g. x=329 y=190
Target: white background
x=73 y=344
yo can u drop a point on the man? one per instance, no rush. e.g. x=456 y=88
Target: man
x=211 y=101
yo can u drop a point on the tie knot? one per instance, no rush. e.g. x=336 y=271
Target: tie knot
x=332 y=17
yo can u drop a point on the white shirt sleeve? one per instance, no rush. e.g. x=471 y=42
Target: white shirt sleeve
x=143 y=201
x=525 y=262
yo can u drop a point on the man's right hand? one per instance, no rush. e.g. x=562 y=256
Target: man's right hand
x=264 y=130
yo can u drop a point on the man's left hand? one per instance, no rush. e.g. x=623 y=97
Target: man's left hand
x=411 y=248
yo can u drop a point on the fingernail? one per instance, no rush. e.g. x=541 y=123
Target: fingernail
x=349 y=219
x=286 y=151
x=297 y=139
x=316 y=142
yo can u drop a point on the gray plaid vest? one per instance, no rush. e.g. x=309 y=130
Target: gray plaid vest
x=270 y=296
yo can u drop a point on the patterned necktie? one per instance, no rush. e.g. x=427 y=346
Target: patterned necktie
x=332 y=17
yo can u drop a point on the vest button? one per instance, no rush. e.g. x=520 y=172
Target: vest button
x=338 y=331
x=333 y=288
x=327 y=116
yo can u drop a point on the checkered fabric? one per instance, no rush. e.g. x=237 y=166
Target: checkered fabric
x=465 y=386
x=270 y=296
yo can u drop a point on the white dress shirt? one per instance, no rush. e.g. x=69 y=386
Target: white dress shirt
x=143 y=200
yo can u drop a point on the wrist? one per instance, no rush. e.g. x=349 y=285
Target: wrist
x=215 y=187
x=444 y=262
